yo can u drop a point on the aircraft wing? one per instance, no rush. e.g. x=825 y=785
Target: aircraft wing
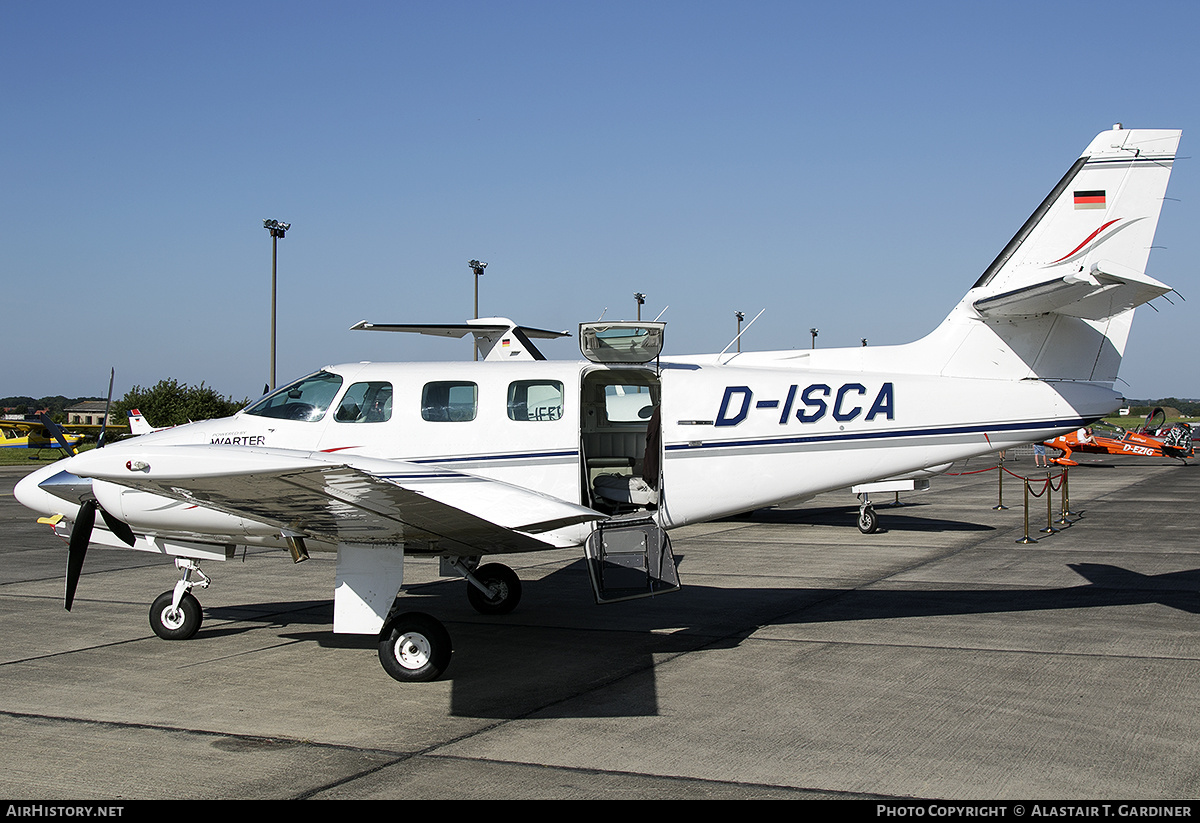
x=346 y=499
x=22 y=425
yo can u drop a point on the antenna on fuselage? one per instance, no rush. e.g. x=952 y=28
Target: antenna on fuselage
x=740 y=333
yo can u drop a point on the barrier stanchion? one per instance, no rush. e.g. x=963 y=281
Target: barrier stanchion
x=1066 y=501
x=1000 y=491
x=1049 y=517
x=1026 y=538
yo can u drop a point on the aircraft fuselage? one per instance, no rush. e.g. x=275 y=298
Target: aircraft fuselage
x=732 y=438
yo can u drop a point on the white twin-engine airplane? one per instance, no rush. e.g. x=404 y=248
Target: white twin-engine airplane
x=377 y=461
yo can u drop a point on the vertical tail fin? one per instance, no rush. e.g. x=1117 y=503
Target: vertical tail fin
x=138 y=423
x=1058 y=301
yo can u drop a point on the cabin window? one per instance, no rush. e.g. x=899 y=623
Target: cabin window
x=628 y=404
x=535 y=400
x=366 y=403
x=449 y=401
x=306 y=399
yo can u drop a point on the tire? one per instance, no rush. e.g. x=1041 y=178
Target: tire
x=177 y=625
x=508 y=587
x=414 y=648
x=868 y=521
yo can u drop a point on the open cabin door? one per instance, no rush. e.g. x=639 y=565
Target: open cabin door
x=629 y=555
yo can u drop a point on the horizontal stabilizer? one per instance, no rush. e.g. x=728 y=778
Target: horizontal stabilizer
x=1097 y=295
x=497 y=338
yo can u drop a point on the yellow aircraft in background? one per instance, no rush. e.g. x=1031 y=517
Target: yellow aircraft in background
x=33 y=434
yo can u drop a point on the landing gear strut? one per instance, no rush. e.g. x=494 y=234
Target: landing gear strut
x=176 y=615
x=868 y=520
x=415 y=647
x=494 y=589
x=491 y=589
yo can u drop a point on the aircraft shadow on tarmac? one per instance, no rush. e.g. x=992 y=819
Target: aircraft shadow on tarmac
x=553 y=656
x=894 y=518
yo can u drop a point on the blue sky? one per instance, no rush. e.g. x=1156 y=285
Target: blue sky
x=848 y=166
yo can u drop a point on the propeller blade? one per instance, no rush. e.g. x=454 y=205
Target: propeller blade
x=81 y=533
x=57 y=433
x=104 y=420
x=118 y=527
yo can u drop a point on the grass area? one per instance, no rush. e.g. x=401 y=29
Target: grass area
x=29 y=457
x=1131 y=422
x=34 y=457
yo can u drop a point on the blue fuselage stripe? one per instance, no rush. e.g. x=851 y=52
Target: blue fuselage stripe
x=1073 y=423
x=482 y=457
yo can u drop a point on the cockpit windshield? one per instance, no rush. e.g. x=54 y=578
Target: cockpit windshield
x=306 y=399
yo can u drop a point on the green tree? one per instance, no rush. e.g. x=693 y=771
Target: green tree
x=169 y=403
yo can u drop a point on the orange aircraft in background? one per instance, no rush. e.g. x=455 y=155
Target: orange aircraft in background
x=1154 y=438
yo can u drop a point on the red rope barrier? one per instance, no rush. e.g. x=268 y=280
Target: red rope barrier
x=1006 y=471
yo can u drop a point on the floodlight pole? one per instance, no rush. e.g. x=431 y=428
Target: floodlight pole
x=478 y=268
x=813 y=332
x=277 y=230
x=640 y=298
x=740 y=317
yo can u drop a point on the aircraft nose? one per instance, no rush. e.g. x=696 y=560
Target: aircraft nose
x=31 y=492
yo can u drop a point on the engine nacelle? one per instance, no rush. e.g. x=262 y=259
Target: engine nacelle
x=147 y=512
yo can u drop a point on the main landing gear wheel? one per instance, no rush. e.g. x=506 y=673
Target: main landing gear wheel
x=505 y=584
x=175 y=624
x=868 y=520
x=414 y=647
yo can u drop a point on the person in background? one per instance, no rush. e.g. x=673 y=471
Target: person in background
x=1039 y=455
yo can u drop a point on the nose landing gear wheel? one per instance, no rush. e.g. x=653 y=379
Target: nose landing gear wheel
x=868 y=521
x=175 y=624
x=415 y=647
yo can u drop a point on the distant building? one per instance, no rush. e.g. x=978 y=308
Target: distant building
x=10 y=413
x=89 y=413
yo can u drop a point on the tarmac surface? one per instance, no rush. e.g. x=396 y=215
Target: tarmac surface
x=936 y=659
